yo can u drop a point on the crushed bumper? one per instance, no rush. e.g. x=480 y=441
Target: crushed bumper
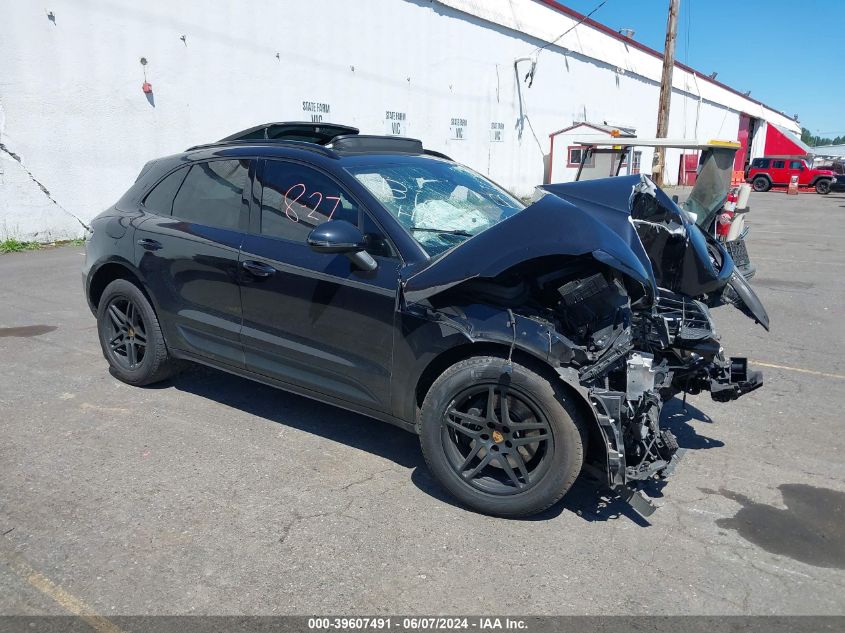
x=734 y=379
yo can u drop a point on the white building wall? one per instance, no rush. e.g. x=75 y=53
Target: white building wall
x=72 y=109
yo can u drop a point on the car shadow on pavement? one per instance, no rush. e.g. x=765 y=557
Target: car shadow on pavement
x=304 y=414
x=589 y=498
x=676 y=417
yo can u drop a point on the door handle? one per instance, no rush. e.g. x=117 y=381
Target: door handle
x=148 y=244
x=257 y=268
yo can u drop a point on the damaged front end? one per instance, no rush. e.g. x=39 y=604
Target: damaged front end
x=605 y=284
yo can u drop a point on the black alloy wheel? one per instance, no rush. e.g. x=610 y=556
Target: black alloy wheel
x=127 y=336
x=823 y=186
x=130 y=335
x=497 y=439
x=505 y=438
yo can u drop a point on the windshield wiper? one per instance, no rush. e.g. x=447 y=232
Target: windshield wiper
x=447 y=231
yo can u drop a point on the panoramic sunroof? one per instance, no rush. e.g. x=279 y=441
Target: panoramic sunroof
x=319 y=133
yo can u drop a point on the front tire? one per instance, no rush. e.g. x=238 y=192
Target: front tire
x=761 y=183
x=130 y=335
x=823 y=187
x=506 y=444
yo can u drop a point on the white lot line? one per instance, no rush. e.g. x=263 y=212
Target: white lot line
x=780 y=260
x=815 y=236
x=59 y=594
x=798 y=369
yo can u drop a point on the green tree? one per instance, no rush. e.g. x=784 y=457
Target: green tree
x=813 y=141
x=806 y=136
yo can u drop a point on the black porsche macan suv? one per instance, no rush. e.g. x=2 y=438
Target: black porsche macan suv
x=367 y=272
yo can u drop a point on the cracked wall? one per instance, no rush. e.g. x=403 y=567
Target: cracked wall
x=26 y=211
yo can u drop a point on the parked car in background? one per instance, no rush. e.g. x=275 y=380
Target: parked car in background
x=838 y=169
x=767 y=172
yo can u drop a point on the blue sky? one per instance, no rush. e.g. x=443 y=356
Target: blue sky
x=784 y=52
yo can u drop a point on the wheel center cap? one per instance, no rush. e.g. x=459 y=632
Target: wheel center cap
x=498 y=437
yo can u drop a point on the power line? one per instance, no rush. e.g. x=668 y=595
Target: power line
x=571 y=28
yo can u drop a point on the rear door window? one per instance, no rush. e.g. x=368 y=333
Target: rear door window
x=160 y=199
x=213 y=194
x=778 y=164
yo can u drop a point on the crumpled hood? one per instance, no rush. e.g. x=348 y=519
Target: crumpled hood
x=550 y=226
x=676 y=247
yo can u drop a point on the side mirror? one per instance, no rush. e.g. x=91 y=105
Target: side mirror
x=339 y=236
x=336 y=236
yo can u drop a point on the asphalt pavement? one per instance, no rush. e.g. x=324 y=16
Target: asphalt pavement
x=211 y=494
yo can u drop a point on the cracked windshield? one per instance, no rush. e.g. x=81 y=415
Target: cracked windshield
x=441 y=204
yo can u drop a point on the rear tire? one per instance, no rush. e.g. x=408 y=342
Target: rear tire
x=823 y=187
x=130 y=335
x=533 y=447
x=761 y=183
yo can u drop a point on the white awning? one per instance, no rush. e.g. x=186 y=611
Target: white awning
x=679 y=143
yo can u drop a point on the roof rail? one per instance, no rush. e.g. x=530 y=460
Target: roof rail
x=303 y=145
x=328 y=139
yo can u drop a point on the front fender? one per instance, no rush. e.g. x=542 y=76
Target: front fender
x=430 y=335
x=426 y=334
x=481 y=323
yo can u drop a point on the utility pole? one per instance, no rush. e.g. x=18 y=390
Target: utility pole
x=665 y=89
